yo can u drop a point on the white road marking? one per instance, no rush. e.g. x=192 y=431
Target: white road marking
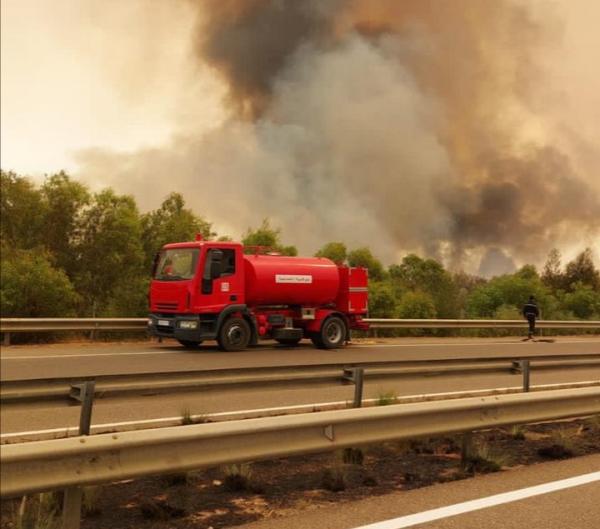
x=446 y=344
x=356 y=346
x=483 y=503
x=32 y=357
x=170 y=420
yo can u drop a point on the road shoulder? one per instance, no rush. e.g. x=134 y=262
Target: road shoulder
x=376 y=509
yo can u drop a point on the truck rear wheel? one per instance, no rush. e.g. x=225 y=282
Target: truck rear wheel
x=332 y=334
x=234 y=335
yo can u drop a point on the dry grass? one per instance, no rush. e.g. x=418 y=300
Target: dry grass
x=386 y=398
x=38 y=512
x=484 y=458
x=517 y=432
x=334 y=478
x=593 y=424
x=238 y=478
x=188 y=418
x=353 y=456
x=90 y=500
x=562 y=444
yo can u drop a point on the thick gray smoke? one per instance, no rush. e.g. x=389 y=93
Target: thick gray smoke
x=405 y=126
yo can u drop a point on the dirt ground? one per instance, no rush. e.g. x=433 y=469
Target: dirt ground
x=229 y=496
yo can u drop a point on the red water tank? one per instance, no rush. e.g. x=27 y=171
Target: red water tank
x=281 y=280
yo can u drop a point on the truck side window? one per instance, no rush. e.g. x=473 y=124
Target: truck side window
x=208 y=274
x=228 y=267
x=207 y=263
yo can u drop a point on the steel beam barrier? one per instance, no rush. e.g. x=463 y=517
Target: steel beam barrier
x=71 y=324
x=376 y=323
x=12 y=325
x=49 y=465
x=57 y=389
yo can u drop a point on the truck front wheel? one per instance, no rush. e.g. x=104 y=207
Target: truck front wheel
x=333 y=334
x=234 y=335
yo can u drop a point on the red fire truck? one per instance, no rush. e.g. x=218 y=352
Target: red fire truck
x=207 y=290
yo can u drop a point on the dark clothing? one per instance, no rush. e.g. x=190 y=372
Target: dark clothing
x=531 y=308
x=531 y=320
x=531 y=312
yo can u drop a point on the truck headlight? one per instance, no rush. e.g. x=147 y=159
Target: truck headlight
x=189 y=324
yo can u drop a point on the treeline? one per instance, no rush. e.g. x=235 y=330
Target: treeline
x=67 y=251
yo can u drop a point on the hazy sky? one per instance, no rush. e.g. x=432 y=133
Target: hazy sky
x=96 y=73
x=114 y=73
x=120 y=76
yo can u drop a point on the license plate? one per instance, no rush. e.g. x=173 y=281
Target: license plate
x=163 y=323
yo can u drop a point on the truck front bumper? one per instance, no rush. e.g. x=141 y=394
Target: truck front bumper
x=187 y=327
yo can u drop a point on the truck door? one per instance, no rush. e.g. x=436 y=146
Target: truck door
x=221 y=283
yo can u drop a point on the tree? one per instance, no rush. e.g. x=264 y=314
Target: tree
x=552 y=275
x=382 y=301
x=64 y=202
x=362 y=257
x=582 y=270
x=172 y=222
x=23 y=212
x=528 y=273
x=583 y=302
x=31 y=287
x=415 y=305
x=111 y=256
x=336 y=251
x=465 y=284
x=510 y=290
x=429 y=276
x=266 y=237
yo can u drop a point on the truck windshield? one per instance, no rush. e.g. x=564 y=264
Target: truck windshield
x=177 y=264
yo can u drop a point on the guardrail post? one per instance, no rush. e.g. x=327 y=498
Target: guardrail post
x=526 y=377
x=355 y=376
x=6 y=339
x=71 y=516
x=83 y=393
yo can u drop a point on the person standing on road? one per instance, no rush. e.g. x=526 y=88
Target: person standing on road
x=531 y=312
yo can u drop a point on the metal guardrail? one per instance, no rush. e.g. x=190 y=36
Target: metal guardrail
x=48 y=465
x=16 y=325
x=177 y=420
x=377 y=323
x=71 y=324
x=14 y=392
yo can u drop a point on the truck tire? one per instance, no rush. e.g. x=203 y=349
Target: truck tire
x=234 y=335
x=190 y=344
x=332 y=334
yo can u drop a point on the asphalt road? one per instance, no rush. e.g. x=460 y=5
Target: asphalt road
x=89 y=359
x=63 y=360
x=572 y=508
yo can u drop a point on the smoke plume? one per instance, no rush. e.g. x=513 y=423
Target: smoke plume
x=406 y=126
